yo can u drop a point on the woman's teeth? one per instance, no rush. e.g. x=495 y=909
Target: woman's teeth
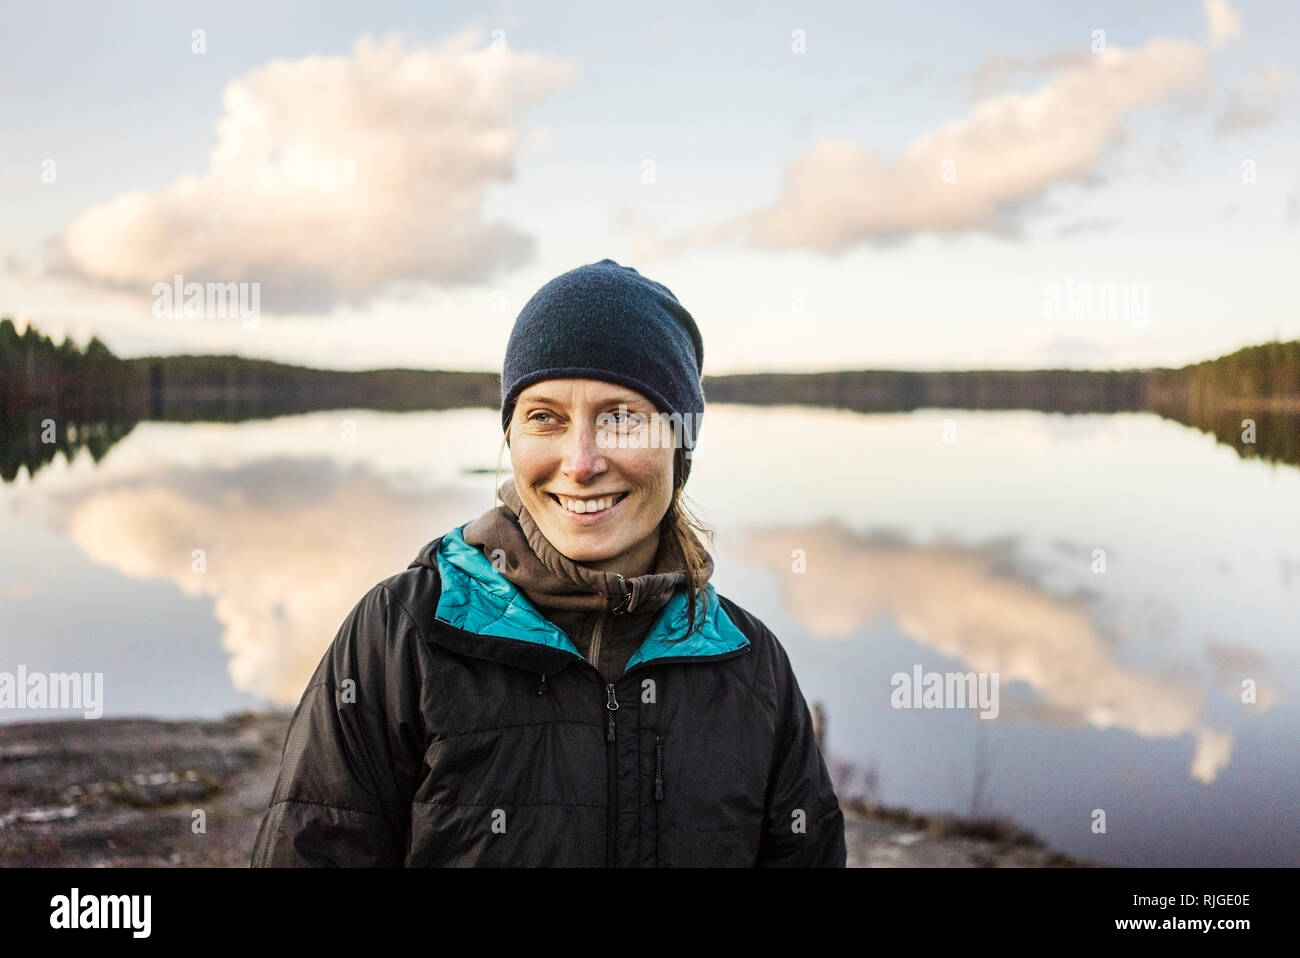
x=587 y=505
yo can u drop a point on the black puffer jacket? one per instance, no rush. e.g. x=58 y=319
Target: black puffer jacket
x=451 y=723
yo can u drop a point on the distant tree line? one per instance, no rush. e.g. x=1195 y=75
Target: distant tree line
x=1263 y=378
x=1064 y=390
x=62 y=381
x=59 y=398
x=66 y=382
x=95 y=397
x=1255 y=389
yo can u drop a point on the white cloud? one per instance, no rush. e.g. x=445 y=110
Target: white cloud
x=1006 y=153
x=1223 y=20
x=336 y=176
x=1253 y=102
x=1213 y=750
x=996 y=70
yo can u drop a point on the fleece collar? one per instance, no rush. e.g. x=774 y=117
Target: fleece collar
x=551 y=580
x=491 y=617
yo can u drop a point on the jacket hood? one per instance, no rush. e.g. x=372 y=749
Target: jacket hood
x=551 y=579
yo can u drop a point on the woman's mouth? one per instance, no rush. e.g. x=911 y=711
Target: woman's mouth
x=591 y=508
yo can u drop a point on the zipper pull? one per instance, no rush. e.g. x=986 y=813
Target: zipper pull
x=541 y=687
x=659 y=768
x=611 y=706
x=626 y=601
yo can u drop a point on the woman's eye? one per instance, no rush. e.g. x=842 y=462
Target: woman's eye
x=625 y=417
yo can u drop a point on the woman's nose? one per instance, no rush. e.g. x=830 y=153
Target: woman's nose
x=583 y=455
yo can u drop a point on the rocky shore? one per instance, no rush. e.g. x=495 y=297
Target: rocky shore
x=152 y=793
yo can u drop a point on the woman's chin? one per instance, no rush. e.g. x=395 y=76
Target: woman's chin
x=573 y=547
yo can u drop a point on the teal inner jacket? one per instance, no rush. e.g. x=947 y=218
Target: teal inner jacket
x=477 y=598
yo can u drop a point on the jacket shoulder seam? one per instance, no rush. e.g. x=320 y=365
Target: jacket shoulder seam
x=341 y=808
x=496 y=804
x=397 y=601
x=332 y=688
x=765 y=635
x=548 y=723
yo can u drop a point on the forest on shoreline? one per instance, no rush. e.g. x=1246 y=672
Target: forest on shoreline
x=57 y=398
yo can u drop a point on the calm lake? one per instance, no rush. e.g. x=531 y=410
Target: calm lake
x=1122 y=574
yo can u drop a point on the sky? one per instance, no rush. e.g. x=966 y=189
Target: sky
x=823 y=185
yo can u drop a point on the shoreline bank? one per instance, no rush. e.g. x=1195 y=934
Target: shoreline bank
x=157 y=793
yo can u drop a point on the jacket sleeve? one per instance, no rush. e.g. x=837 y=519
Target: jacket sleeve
x=352 y=755
x=803 y=826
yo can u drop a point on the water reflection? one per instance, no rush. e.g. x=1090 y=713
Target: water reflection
x=287 y=545
x=32 y=440
x=1269 y=435
x=968 y=604
x=1122 y=691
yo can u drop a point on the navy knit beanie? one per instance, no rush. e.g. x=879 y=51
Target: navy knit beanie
x=608 y=322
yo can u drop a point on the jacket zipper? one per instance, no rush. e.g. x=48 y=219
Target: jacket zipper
x=659 y=767
x=659 y=788
x=611 y=761
x=611 y=706
x=594 y=652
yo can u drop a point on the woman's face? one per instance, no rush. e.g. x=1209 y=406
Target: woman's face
x=590 y=440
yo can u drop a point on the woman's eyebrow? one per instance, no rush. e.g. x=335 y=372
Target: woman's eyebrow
x=625 y=400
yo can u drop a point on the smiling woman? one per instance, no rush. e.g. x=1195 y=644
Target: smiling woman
x=557 y=682
x=596 y=500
